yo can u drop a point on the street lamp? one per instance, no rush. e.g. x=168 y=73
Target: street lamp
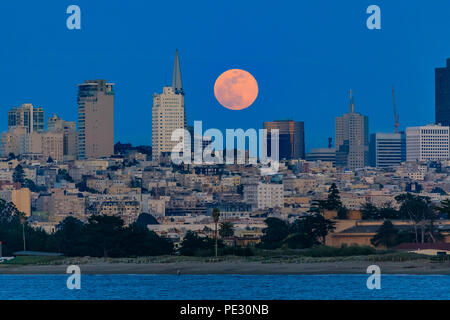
x=22 y=221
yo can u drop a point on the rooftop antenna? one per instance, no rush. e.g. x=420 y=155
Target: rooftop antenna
x=329 y=142
x=396 y=124
x=352 y=103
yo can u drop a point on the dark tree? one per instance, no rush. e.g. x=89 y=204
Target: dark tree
x=439 y=190
x=342 y=213
x=18 y=174
x=226 y=229
x=273 y=236
x=72 y=237
x=104 y=235
x=63 y=175
x=192 y=244
x=370 y=212
x=137 y=240
x=387 y=235
x=240 y=189
x=388 y=212
x=418 y=210
x=444 y=209
x=145 y=219
x=308 y=231
x=334 y=200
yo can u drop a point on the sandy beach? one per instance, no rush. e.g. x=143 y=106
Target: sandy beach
x=238 y=267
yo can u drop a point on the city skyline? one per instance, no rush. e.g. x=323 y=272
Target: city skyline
x=296 y=62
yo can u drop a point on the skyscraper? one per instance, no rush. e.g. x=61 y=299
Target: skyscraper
x=27 y=116
x=387 y=149
x=95 y=119
x=429 y=142
x=291 y=138
x=168 y=114
x=352 y=139
x=442 y=94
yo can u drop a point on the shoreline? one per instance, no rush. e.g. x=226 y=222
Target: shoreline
x=416 y=267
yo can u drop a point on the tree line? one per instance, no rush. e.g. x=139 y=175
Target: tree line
x=100 y=236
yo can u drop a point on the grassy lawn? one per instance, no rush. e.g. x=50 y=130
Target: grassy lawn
x=26 y=260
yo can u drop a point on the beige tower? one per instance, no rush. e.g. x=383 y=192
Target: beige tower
x=352 y=139
x=69 y=129
x=95 y=119
x=168 y=114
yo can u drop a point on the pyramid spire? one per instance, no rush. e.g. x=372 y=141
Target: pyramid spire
x=176 y=78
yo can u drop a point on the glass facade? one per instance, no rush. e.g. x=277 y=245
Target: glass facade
x=442 y=95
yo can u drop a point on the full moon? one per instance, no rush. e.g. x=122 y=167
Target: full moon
x=236 y=89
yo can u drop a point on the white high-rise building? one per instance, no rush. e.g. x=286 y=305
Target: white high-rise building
x=425 y=143
x=168 y=114
x=264 y=195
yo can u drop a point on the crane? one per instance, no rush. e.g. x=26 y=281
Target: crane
x=396 y=124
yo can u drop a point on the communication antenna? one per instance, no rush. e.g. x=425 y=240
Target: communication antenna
x=396 y=124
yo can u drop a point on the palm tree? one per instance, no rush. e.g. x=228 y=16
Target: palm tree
x=226 y=229
x=216 y=216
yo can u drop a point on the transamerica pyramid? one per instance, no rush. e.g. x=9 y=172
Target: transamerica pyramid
x=177 y=85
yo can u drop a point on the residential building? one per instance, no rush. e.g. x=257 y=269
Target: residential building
x=95 y=119
x=264 y=195
x=27 y=116
x=70 y=136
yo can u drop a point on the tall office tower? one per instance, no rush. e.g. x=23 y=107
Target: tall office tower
x=442 y=94
x=95 y=119
x=353 y=128
x=291 y=138
x=387 y=149
x=429 y=142
x=27 y=116
x=168 y=114
x=69 y=130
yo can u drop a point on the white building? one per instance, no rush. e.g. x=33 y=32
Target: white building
x=429 y=142
x=168 y=114
x=264 y=195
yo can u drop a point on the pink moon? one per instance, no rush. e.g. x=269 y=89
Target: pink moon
x=236 y=89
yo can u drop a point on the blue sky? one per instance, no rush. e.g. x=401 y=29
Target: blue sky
x=304 y=55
